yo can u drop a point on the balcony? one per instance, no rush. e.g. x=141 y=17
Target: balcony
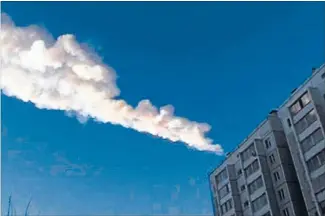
x=263 y=211
x=258 y=192
x=316 y=165
x=260 y=205
x=314 y=150
x=225 y=198
x=318 y=172
x=309 y=130
x=231 y=212
x=321 y=196
x=221 y=178
x=253 y=176
x=302 y=112
x=318 y=185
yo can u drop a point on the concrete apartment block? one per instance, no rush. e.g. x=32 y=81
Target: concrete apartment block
x=303 y=119
x=279 y=169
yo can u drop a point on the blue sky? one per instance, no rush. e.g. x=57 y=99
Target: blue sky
x=224 y=63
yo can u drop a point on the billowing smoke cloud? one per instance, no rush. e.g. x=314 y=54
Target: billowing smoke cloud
x=63 y=75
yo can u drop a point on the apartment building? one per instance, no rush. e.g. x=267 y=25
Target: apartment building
x=303 y=120
x=279 y=169
x=258 y=178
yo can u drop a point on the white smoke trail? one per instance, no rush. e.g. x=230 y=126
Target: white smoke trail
x=62 y=75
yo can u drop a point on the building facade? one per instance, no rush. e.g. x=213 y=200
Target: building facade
x=303 y=120
x=279 y=169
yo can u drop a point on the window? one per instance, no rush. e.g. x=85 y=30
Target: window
x=226 y=206
x=276 y=176
x=285 y=212
x=259 y=203
x=305 y=99
x=224 y=191
x=312 y=140
x=223 y=175
x=317 y=161
x=320 y=181
x=318 y=136
x=253 y=167
x=242 y=188
x=248 y=152
x=255 y=185
x=239 y=172
x=295 y=108
x=267 y=214
x=300 y=103
x=281 y=194
x=267 y=143
x=320 y=195
x=323 y=76
x=322 y=206
x=272 y=159
x=289 y=122
x=246 y=204
x=306 y=121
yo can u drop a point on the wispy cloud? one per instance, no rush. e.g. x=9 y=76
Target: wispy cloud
x=26 y=156
x=63 y=165
x=67 y=168
x=34 y=158
x=98 y=171
x=36 y=145
x=13 y=154
x=29 y=163
x=20 y=140
x=158 y=186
